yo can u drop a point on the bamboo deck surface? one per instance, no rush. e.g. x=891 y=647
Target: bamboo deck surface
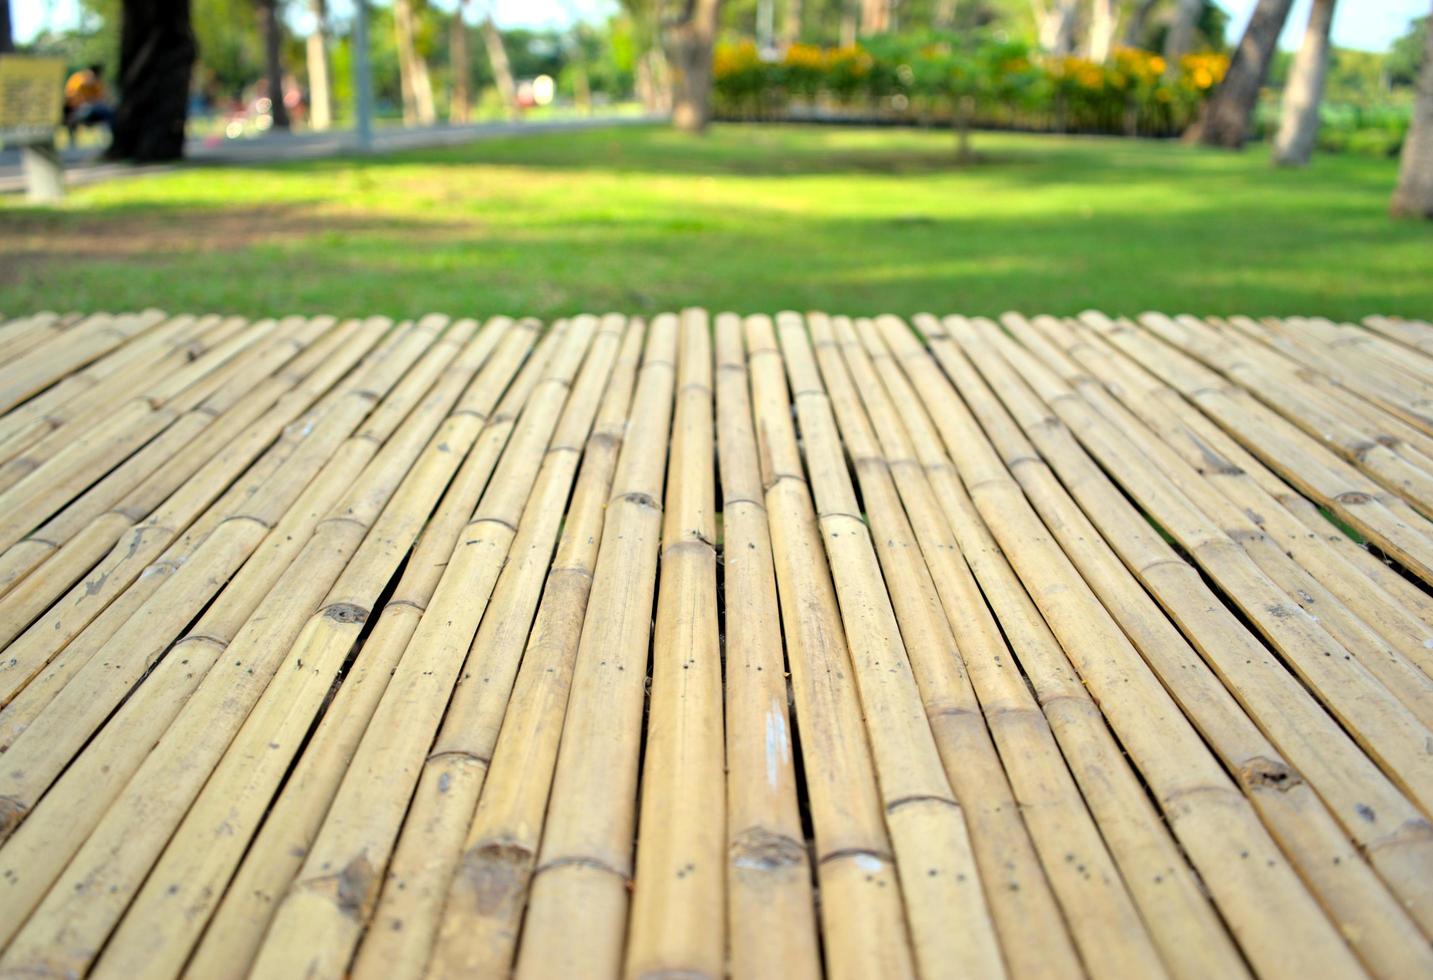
x=700 y=646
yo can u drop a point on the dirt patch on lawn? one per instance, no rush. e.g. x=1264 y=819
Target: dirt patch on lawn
x=36 y=241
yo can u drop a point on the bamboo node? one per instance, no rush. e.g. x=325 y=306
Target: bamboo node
x=12 y=814
x=760 y=849
x=345 y=612
x=494 y=872
x=350 y=890
x=1260 y=772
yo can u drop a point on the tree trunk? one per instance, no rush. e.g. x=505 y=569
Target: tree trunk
x=944 y=16
x=653 y=82
x=1055 y=25
x=458 y=59
x=1299 y=119
x=272 y=33
x=689 y=42
x=412 y=69
x=875 y=16
x=964 y=115
x=156 y=56
x=849 y=16
x=791 y=24
x=1134 y=27
x=1104 y=19
x=1414 y=196
x=1225 y=121
x=1180 y=39
x=320 y=96
x=502 y=68
x=7 y=35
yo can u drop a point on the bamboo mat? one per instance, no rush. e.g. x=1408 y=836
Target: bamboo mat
x=770 y=647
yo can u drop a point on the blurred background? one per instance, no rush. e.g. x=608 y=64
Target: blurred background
x=856 y=155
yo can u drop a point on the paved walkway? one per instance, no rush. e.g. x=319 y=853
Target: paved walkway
x=82 y=168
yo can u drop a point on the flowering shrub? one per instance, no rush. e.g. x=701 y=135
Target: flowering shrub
x=1004 y=83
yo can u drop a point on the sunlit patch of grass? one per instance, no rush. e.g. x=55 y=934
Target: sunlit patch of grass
x=746 y=218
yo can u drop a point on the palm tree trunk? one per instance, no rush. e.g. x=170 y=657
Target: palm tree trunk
x=412 y=69
x=156 y=56
x=458 y=59
x=1414 y=194
x=1225 y=121
x=689 y=50
x=7 y=36
x=791 y=24
x=875 y=16
x=1180 y=39
x=1134 y=27
x=1104 y=19
x=1055 y=25
x=319 y=90
x=1299 y=121
x=502 y=68
x=272 y=32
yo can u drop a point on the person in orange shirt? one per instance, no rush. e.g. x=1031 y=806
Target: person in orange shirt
x=87 y=100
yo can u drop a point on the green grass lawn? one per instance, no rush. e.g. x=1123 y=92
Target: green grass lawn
x=745 y=218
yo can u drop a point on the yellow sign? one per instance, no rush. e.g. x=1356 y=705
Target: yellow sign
x=32 y=97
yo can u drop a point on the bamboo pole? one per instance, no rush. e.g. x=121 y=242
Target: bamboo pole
x=1170 y=897
x=478 y=930
x=89 y=340
x=1414 y=334
x=678 y=896
x=1324 y=755
x=72 y=711
x=863 y=925
x=340 y=574
x=1260 y=898
x=1246 y=480
x=163 y=794
x=24 y=334
x=1366 y=913
x=577 y=911
x=238 y=925
x=101 y=380
x=405 y=919
x=770 y=916
x=1393 y=655
x=1388 y=731
x=315 y=924
x=152 y=548
x=950 y=922
x=1021 y=899
x=71 y=542
x=64 y=464
x=1081 y=872
x=1308 y=465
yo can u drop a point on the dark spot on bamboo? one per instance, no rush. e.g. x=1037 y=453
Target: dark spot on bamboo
x=345 y=612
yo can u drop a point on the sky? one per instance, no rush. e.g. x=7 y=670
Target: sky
x=1370 y=25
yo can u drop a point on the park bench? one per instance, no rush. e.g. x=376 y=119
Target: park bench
x=31 y=108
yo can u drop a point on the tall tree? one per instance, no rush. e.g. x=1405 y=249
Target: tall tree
x=1138 y=18
x=1055 y=24
x=320 y=98
x=1104 y=19
x=875 y=16
x=156 y=56
x=791 y=24
x=1414 y=195
x=412 y=69
x=1225 y=121
x=1299 y=122
x=1179 y=40
x=689 y=40
x=458 y=62
x=7 y=35
x=502 y=68
x=271 y=29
